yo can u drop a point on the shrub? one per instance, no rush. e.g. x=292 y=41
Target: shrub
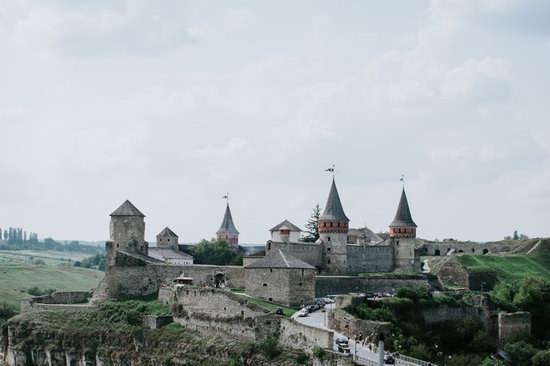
x=270 y=348
x=542 y=358
x=36 y=291
x=319 y=352
x=302 y=358
x=519 y=353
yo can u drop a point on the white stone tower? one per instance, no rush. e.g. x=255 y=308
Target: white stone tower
x=333 y=232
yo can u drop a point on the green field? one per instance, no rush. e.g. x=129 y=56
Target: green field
x=510 y=267
x=18 y=274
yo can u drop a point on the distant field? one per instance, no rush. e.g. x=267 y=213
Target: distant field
x=17 y=274
x=510 y=267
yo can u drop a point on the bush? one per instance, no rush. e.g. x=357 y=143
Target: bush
x=542 y=358
x=319 y=352
x=38 y=262
x=270 y=348
x=35 y=291
x=302 y=358
x=519 y=353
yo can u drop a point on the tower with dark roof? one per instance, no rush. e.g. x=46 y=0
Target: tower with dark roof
x=403 y=225
x=167 y=239
x=127 y=232
x=227 y=231
x=402 y=237
x=333 y=232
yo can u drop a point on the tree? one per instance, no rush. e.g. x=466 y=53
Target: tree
x=312 y=226
x=516 y=236
x=217 y=252
x=519 y=353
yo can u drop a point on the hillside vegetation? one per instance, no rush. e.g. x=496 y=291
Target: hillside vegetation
x=515 y=266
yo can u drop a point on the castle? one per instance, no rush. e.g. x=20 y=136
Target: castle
x=333 y=253
x=289 y=271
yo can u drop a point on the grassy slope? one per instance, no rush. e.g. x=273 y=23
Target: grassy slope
x=17 y=277
x=512 y=267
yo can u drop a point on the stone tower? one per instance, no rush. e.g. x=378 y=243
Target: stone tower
x=127 y=233
x=167 y=239
x=403 y=234
x=333 y=232
x=227 y=230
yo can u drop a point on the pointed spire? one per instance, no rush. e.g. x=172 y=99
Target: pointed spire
x=227 y=226
x=127 y=209
x=167 y=232
x=333 y=208
x=403 y=217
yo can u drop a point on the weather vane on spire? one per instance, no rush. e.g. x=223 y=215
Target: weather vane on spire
x=226 y=197
x=402 y=180
x=331 y=170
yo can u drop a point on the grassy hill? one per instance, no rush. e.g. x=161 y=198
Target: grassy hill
x=18 y=274
x=515 y=266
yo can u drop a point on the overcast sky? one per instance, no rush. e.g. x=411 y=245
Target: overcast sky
x=172 y=104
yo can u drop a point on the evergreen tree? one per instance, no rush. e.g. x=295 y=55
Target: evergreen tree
x=312 y=226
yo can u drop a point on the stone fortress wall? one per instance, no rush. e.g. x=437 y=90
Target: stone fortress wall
x=217 y=311
x=339 y=285
x=146 y=278
x=511 y=323
x=444 y=247
x=370 y=258
x=69 y=300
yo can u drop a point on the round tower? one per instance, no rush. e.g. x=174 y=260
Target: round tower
x=227 y=231
x=333 y=232
x=402 y=235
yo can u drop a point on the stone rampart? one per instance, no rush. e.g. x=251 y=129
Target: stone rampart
x=511 y=323
x=445 y=313
x=444 y=247
x=337 y=285
x=347 y=324
x=156 y=321
x=121 y=282
x=369 y=258
x=217 y=311
x=302 y=336
x=70 y=300
x=308 y=252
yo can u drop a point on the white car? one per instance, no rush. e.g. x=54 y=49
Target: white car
x=303 y=313
x=328 y=300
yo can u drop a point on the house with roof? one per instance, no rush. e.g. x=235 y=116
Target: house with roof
x=281 y=278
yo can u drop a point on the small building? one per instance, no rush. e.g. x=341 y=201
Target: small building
x=168 y=251
x=281 y=278
x=285 y=232
x=227 y=231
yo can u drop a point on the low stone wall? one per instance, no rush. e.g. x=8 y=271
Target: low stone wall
x=156 y=321
x=305 y=337
x=347 y=324
x=70 y=300
x=336 y=285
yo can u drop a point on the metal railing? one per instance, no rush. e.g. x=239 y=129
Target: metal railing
x=365 y=361
x=410 y=361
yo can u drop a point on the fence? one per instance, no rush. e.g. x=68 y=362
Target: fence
x=399 y=361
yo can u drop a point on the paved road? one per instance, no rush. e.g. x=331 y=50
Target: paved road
x=319 y=319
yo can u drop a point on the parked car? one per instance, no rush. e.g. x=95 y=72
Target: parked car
x=388 y=358
x=320 y=302
x=342 y=345
x=279 y=311
x=341 y=340
x=328 y=300
x=344 y=348
x=303 y=313
x=312 y=308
